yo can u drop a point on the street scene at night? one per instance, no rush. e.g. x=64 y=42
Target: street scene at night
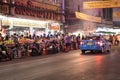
x=64 y=66
x=59 y=39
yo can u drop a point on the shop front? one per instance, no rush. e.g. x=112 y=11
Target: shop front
x=22 y=26
x=26 y=26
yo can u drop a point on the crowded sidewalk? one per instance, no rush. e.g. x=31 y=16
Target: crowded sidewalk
x=14 y=46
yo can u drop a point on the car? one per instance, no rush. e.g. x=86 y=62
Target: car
x=95 y=43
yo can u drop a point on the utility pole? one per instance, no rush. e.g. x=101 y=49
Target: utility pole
x=10 y=3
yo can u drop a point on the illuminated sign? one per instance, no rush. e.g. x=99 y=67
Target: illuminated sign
x=5 y=22
x=23 y=22
x=28 y=23
x=87 y=17
x=101 y=4
x=55 y=26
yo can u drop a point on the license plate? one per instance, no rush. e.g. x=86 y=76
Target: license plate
x=89 y=43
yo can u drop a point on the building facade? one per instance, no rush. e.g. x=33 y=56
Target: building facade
x=75 y=25
x=31 y=15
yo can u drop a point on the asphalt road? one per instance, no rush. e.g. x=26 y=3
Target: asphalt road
x=64 y=66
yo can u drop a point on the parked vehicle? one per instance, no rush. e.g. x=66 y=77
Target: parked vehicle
x=4 y=56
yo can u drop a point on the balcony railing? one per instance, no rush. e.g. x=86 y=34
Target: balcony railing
x=26 y=9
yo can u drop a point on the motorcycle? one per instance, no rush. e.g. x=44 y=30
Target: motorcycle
x=4 y=56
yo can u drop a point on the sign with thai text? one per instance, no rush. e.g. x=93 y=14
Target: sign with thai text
x=87 y=17
x=101 y=4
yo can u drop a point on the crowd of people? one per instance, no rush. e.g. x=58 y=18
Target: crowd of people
x=39 y=45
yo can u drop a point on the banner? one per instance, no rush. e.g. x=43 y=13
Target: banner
x=101 y=4
x=116 y=14
x=87 y=17
x=55 y=26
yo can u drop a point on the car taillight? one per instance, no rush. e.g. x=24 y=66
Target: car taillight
x=99 y=43
x=81 y=42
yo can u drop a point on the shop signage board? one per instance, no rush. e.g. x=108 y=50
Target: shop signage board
x=101 y=4
x=55 y=26
x=5 y=22
x=87 y=17
x=116 y=14
x=29 y=23
x=23 y=22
